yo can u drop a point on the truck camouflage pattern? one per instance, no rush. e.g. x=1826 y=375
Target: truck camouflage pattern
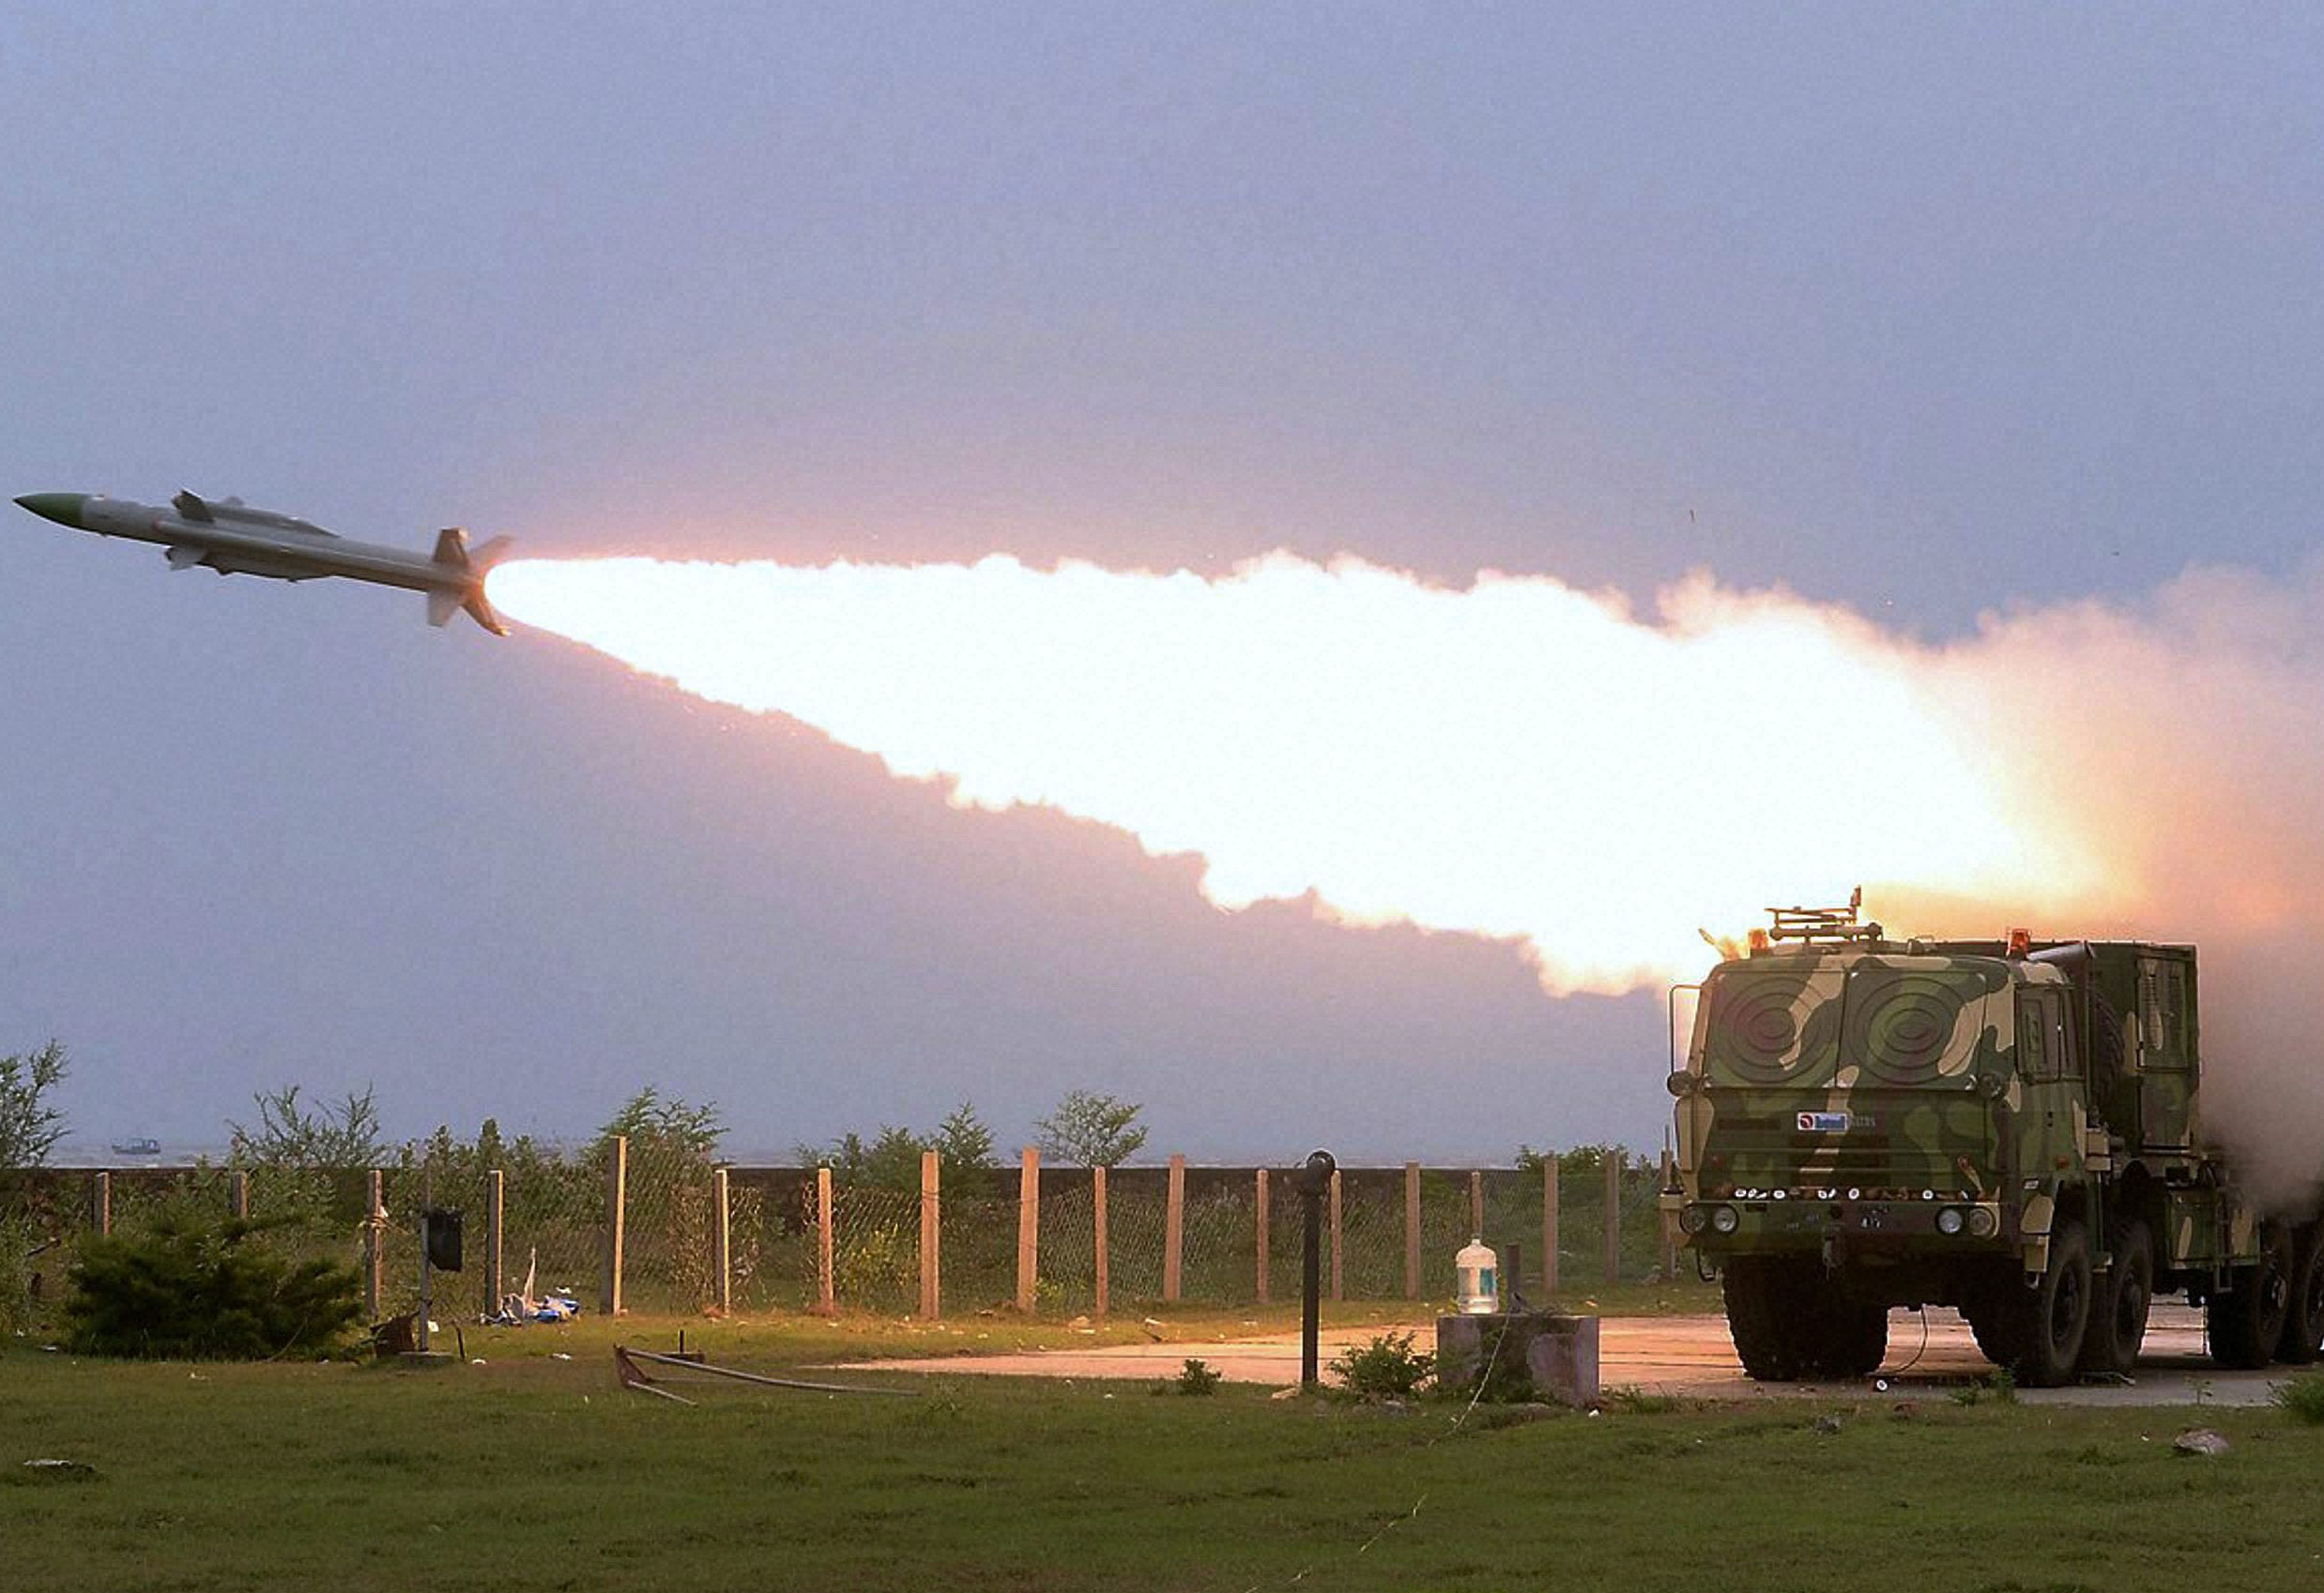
x=2012 y=1127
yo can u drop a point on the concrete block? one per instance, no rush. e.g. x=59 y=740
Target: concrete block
x=1557 y=1354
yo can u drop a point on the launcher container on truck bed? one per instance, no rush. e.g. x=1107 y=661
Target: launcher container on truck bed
x=2011 y=1126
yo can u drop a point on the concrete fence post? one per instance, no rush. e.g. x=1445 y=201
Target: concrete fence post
x=1098 y=1206
x=374 y=1235
x=826 y=1299
x=1259 y=1195
x=1476 y=1204
x=239 y=1195
x=1339 y=1280
x=1028 y=1229
x=1174 y=1230
x=496 y=1238
x=1615 y=1158
x=616 y=1211
x=100 y=1204
x=1412 y=1230
x=931 y=1221
x=1548 y=1229
x=721 y=1241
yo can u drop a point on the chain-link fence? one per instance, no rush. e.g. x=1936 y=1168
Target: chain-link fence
x=538 y=1223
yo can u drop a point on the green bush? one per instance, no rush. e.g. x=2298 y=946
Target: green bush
x=197 y=1289
x=1387 y=1368
x=2304 y=1397
x=1199 y=1379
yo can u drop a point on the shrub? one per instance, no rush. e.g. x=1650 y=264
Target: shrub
x=1199 y=1379
x=2304 y=1397
x=1387 y=1368
x=198 y=1289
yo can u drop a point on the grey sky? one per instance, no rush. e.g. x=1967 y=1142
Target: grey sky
x=1922 y=310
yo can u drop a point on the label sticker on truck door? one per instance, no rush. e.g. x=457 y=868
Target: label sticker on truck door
x=1824 y=1122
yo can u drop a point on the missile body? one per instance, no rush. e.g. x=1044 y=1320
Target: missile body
x=235 y=540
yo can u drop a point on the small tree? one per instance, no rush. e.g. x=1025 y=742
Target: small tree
x=963 y=1140
x=1089 y=1129
x=289 y=1135
x=29 y=1127
x=650 y=1115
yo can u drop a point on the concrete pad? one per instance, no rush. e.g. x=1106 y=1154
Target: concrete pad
x=1687 y=1356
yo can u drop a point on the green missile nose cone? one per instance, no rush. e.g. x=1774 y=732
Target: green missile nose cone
x=62 y=506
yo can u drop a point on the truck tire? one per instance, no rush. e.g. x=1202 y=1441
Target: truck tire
x=2057 y=1314
x=2246 y=1323
x=1855 y=1339
x=2303 y=1322
x=1994 y=1316
x=2119 y=1310
x=1771 y=1315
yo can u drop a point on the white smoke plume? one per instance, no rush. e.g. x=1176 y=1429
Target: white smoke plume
x=1522 y=760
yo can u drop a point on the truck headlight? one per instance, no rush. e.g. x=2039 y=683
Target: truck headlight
x=1983 y=1222
x=1949 y=1221
x=1695 y=1219
x=1724 y=1221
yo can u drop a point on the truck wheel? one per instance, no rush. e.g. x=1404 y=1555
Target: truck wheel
x=2304 y=1322
x=1856 y=1339
x=2119 y=1314
x=1994 y=1316
x=2247 y=1321
x=2058 y=1313
x=1771 y=1306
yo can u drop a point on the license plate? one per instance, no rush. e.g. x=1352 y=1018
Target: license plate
x=1824 y=1122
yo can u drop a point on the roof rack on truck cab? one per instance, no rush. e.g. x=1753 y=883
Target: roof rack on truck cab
x=1815 y=923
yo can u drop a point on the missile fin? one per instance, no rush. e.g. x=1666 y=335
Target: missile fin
x=492 y=552
x=191 y=507
x=483 y=614
x=451 y=548
x=184 y=558
x=442 y=605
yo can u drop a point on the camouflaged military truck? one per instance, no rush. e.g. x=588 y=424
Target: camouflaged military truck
x=2009 y=1126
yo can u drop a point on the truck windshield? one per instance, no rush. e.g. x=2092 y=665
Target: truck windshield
x=1892 y=1023
x=1771 y=1025
x=1914 y=1025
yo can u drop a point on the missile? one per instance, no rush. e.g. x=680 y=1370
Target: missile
x=233 y=538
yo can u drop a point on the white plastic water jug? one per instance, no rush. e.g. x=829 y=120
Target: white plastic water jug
x=1476 y=1279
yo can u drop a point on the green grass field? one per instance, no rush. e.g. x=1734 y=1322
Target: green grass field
x=539 y=1472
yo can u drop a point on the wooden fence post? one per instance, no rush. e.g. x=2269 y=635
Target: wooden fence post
x=1616 y=1156
x=1670 y=1251
x=100 y=1204
x=826 y=1299
x=374 y=1232
x=931 y=1219
x=1097 y=1202
x=616 y=1204
x=1549 y=1229
x=1339 y=1282
x=239 y=1195
x=1174 y=1230
x=1476 y=1204
x=1028 y=1229
x=1261 y=1197
x=496 y=1238
x=722 y=1239
x=1412 y=1230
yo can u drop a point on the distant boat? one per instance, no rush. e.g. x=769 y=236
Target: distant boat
x=137 y=1147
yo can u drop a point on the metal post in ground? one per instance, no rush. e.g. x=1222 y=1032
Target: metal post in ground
x=1316 y=1178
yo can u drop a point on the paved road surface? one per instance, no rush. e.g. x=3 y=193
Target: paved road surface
x=1687 y=1356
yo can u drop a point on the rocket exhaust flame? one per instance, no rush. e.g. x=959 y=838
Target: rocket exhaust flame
x=1522 y=760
